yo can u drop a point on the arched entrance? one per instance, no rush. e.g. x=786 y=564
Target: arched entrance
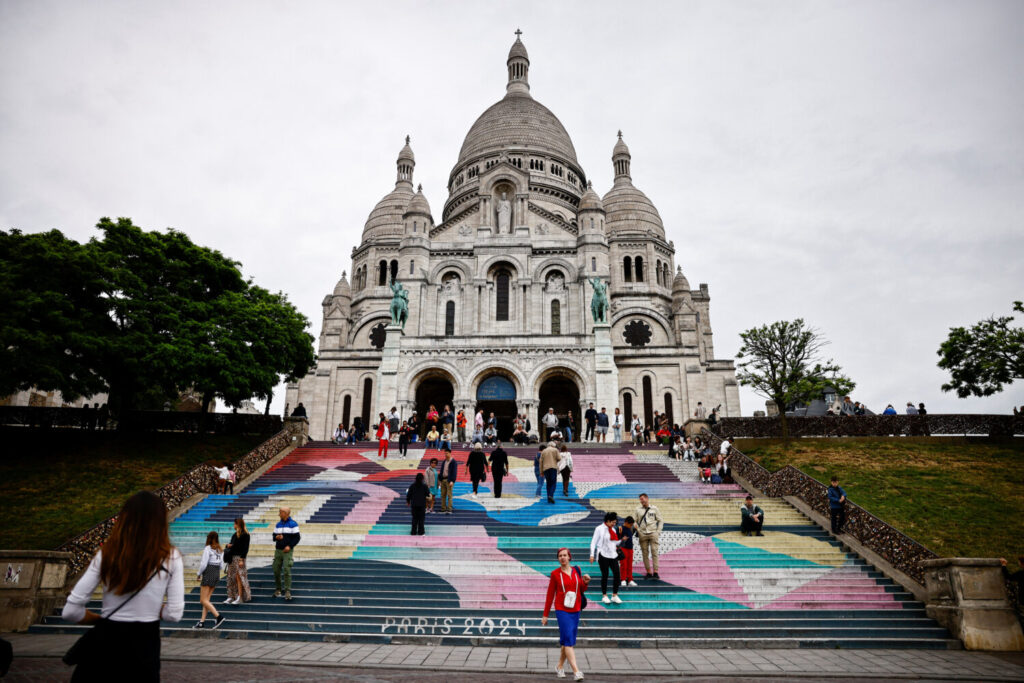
x=561 y=393
x=497 y=394
x=434 y=390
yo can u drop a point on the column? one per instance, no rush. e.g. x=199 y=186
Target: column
x=607 y=373
x=387 y=373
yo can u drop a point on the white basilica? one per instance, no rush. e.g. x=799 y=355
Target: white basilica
x=500 y=292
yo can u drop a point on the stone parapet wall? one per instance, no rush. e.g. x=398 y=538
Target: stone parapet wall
x=200 y=479
x=895 y=547
x=873 y=425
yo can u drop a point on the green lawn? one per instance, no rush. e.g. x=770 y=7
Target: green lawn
x=957 y=496
x=60 y=484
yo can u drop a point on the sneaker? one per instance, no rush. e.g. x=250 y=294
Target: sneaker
x=200 y=624
x=759 y=533
x=647 y=576
x=474 y=496
x=605 y=600
x=229 y=601
x=578 y=676
x=658 y=578
x=237 y=601
x=560 y=673
x=220 y=620
x=631 y=584
x=622 y=583
x=277 y=593
x=287 y=595
x=616 y=599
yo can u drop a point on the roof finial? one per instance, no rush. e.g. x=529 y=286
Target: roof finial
x=343 y=273
x=419 y=188
x=590 y=185
x=407 y=138
x=620 y=135
x=518 y=33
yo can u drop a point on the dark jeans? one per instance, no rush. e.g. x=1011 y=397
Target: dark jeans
x=609 y=564
x=590 y=431
x=551 y=476
x=750 y=525
x=403 y=446
x=566 y=474
x=496 y=485
x=476 y=477
x=418 y=514
x=838 y=519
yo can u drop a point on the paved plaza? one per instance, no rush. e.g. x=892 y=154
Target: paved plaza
x=188 y=659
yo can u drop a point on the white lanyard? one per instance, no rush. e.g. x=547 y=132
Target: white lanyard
x=561 y=577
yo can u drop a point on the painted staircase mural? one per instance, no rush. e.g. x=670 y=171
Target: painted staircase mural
x=481 y=573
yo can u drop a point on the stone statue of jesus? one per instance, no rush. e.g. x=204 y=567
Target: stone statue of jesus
x=504 y=214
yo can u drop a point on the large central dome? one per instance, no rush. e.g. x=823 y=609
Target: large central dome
x=518 y=121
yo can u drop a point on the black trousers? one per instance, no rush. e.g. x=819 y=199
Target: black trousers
x=590 y=431
x=496 y=483
x=476 y=477
x=750 y=525
x=128 y=651
x=403 y=446
x=609 y=564
x=838 y=519
x=418 y=514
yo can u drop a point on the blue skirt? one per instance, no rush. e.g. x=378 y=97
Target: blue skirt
x=568 y=626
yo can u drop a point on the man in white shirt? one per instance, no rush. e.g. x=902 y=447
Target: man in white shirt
x=726 y=445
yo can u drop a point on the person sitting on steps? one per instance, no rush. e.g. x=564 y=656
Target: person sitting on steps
x=752 y=517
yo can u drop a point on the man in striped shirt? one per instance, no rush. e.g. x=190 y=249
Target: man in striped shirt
x=286 y=537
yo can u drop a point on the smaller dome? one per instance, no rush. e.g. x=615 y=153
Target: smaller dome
x=620 y=147
x=590 y=201
x=680 y=285
x=390 y=209
x=518 y=50
x=418 y=205
x=406 y=152
x=629 y=209
x=342 y=289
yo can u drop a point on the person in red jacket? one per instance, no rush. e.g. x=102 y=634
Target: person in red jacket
x=565 y=589
x=383 y=436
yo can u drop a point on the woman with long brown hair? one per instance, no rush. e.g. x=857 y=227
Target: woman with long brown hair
x=137 y=566
x=234 y=558
x=209 y=574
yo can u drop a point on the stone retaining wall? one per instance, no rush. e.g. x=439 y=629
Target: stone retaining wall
x=200 y=479
x=873 y=425
x=898 y=549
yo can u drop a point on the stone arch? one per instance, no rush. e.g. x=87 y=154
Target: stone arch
x=429 y=369
x=450 y=264
x=646 y=312
x=515 y=265
x=496 y=366
x=504 y=175
x=555 y=263
x=566 y=367
x=366 y=323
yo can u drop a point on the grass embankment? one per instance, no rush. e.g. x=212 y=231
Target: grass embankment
x=960 y=497
x=56 y=485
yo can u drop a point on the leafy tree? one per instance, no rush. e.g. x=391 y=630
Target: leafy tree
x=985 y=357
x=782 y=362
x=142 y=315
x=51 y=319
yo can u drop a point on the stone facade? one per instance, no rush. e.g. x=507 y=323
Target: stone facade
x=501 y=287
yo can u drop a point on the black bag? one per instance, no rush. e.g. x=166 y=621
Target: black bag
x=91 y=641
x=583 y=595
x=483 y=476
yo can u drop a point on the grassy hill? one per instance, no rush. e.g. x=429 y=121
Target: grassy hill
x=957 y=496
x=59 y=484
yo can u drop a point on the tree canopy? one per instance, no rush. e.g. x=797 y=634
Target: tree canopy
x=985 y=357
x=141 y=314
x=783 y=362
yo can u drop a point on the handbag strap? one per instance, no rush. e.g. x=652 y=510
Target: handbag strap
x=115 y=610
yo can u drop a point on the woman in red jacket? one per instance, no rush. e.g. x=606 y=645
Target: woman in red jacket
x=383 y=436
x=565 y=589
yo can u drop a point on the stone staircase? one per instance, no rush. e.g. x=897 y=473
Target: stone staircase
x=480 y=574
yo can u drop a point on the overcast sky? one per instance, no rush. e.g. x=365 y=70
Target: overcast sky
x=857 y=164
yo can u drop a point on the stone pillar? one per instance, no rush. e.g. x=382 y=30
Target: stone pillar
x=968 y=597
x=693 y=427
x=298 y=430
x=387 y=373
x=31 y=585
x=607 y=373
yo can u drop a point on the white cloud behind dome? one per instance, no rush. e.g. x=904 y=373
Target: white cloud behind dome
x=858 y=165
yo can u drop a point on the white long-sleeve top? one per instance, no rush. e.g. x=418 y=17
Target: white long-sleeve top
x=144 y=607
x=602 y=545
x=210 y=557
